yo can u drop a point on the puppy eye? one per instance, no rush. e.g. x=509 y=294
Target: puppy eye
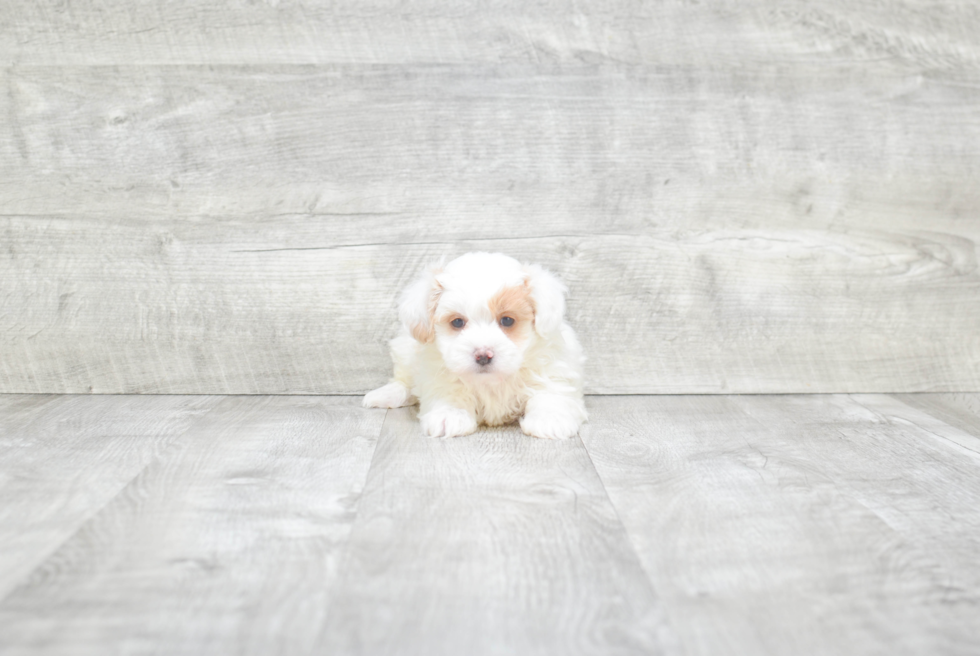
x=457 y=323
x=506 y=322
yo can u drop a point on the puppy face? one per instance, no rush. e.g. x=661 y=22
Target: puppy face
x=483 y=311
x=484 y=337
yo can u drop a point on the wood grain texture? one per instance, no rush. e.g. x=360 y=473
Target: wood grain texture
x=602 y=146
x=191 y=308
x=214 y=198
x=492 y=544
x=959 y=410
x=227 y=545
x=381 y=31
x=796 y=524
x=63 y=458
x=813 y=524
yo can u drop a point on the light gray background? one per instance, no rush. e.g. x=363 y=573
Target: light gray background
x=753 y=196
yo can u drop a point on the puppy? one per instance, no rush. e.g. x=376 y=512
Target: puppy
x=484 y=341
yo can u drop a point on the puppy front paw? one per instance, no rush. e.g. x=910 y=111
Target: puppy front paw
x=392 y=395
x=539 y=424
x=553 y=416
x=447 y=422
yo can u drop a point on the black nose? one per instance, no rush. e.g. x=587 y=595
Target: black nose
x=483 y=359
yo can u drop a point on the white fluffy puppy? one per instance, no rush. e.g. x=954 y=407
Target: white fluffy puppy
x=484 y=341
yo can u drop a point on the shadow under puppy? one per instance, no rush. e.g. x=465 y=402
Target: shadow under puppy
x=484 y=340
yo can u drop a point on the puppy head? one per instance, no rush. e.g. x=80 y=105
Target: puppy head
x=483 y=311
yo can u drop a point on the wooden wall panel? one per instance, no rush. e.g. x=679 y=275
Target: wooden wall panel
x=225 y=199
x=108 y=32
x=216 y=307
x=581 y=147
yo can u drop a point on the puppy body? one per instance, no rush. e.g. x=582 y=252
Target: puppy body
x=484 y=341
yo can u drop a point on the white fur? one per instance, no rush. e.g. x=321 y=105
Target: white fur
x=392 y=395
x=536 y=379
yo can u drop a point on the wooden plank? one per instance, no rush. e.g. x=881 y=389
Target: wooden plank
x=554 y=31
x=229 y=544
x=609 y=146
x=109 y=310
x=930 y=418
x=63 y=458
x=18 y=411
x=491 y=544
x=374 y=31
x=961 y=411
x=369 y=32
x=796 y=524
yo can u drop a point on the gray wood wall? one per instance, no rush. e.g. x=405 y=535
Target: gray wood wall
x=753 y=196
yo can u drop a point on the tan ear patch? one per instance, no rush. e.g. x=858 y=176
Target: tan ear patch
x=516 y=303
x=426 y=332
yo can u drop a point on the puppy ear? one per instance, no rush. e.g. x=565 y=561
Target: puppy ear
x=548 y=296
x=417 y=306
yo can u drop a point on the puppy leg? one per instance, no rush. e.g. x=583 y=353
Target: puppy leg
x=392 y=395
x=444 y=420
x=553 y=416
x=397 y=393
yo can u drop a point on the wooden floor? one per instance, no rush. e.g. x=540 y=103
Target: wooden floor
x=817 y=524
